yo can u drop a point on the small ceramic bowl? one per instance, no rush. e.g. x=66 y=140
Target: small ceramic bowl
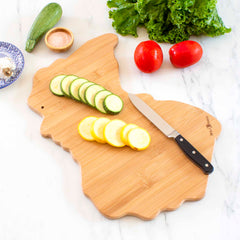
x=59 y=39
x=8 y=50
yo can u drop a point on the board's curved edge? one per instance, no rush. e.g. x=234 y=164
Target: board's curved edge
x=113 y=38
x=147 y=217
x=36 y=77
x=57 y=141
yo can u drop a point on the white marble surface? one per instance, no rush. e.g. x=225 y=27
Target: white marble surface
x=40 y=185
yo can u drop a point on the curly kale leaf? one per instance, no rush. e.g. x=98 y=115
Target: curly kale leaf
x=167 y=20
x=125 y=18
x=205 y=19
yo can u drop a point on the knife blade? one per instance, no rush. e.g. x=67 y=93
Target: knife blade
x=192 y=153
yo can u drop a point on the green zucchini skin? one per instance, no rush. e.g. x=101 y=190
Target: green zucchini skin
x=46 y=19
x=106 y=107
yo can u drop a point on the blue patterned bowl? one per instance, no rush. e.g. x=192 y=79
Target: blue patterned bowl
x=10 y=51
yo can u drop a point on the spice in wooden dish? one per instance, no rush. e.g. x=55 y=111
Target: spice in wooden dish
x=59 y=39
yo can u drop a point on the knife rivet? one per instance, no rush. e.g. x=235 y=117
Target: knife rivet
x=181 y=139
x=193 y=152
x=206 y=165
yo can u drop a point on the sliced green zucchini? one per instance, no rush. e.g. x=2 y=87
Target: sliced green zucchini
x=82 y=89
x=65 y=83
x=99 y=98
x=113 y=104
x=91 y=92
x=55 y=85
x=74 y=87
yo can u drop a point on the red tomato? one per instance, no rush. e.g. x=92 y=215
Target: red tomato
x=185 y=53
x=148 y=56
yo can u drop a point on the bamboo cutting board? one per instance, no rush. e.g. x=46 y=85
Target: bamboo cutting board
x=121 y=181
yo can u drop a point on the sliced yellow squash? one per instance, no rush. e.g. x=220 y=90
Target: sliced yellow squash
x=98 y=128
x=112 y=133
x=125 y=130
x=138 y=138
x=84 y=128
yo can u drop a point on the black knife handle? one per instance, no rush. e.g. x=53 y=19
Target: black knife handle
x=194 y=155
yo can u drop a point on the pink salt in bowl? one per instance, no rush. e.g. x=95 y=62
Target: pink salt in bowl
x=59 y=39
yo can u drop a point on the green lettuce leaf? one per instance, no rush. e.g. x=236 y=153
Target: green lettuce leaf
x=125 y=18
x=205 y=19
x=167 y=20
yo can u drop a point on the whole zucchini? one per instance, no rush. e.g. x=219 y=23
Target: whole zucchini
x=45 y=20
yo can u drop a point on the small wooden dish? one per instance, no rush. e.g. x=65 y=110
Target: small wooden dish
x=59 y=39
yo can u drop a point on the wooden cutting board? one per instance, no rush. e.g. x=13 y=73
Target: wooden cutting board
x=121 y=181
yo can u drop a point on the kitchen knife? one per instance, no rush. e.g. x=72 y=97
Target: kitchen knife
x=170 y=132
